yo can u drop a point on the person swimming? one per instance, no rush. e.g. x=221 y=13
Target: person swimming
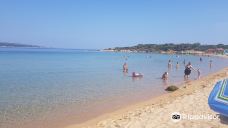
x=165 y=76
x=125 y=67
x=188 y=69
x=134 y=74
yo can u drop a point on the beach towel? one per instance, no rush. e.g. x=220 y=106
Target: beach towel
x=218 y=99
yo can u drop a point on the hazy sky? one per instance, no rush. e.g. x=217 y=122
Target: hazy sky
x=110 y=23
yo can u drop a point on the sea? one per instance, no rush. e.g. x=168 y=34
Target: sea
x=50 y=88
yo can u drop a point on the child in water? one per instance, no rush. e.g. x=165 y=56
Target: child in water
x=165 y=76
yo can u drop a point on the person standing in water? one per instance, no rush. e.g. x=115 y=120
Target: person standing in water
x=188 y=69
x=184 y=62
x=210 y=63
x=169 y=64
x=125 y=67
x=177 y=65
x=199 y=73
x=201 y=59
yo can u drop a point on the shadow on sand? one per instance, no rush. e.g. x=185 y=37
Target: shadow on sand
x=223 y=119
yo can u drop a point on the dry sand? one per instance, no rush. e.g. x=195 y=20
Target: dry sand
x=191 y=98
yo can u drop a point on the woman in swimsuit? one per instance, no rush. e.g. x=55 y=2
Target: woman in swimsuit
x=188 y=69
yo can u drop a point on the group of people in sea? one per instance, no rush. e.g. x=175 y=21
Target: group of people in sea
x=134 y=74
x=187 y=71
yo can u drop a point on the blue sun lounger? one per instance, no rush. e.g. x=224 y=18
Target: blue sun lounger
x=218 y=99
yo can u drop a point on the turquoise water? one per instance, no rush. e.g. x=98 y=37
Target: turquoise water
x=45 y=86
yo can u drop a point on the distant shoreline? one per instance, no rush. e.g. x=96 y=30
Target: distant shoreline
x=184 y=48
x=199 y=53
x=17 y=45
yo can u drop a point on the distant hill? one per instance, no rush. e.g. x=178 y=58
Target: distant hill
x=12 y=45
x=170 y=46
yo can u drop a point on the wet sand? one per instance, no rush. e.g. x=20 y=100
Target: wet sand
x=190 y=99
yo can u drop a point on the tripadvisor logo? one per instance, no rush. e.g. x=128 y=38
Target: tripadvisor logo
x=176 y=117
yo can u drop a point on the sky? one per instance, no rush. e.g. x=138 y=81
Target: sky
x=97 y=24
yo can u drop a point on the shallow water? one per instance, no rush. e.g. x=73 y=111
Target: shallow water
x=42 y=86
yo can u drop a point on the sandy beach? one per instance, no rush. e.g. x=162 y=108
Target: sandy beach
x=114 y=64
x=190 y=99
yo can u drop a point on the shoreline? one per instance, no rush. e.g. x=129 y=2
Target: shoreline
x=198 y=53
x=122 y=115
